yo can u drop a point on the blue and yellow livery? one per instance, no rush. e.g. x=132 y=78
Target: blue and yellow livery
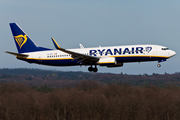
x=114 y=56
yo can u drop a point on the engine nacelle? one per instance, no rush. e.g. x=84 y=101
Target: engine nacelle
x=117 y=65
x=109 y=62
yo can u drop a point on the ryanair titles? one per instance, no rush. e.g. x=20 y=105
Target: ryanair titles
x=119 y=51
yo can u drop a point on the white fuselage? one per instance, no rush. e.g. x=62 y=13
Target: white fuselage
x=121 y=54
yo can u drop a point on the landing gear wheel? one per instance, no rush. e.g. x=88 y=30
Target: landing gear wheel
x=95 y=69
x=158 y=65
x=90 y=69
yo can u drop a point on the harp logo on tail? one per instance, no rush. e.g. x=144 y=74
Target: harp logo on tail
x=21 y=40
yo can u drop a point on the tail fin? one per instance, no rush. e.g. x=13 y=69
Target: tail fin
x=23 y=43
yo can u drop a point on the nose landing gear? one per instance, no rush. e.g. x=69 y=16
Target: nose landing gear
x=158 y=65
x=92 y=69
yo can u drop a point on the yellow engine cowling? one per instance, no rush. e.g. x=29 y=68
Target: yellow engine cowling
x=109 y=62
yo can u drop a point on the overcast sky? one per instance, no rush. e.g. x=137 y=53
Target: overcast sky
x=93 y=23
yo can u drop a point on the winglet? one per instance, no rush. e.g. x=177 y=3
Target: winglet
x=55 y=44
x=81 y=46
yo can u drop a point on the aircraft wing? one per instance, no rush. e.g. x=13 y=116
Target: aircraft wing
x=17 y=54
x=85 y=59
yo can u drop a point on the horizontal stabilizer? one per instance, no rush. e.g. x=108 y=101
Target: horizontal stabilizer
x=17 y=54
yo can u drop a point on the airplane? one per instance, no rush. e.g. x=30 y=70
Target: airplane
x=114 y=56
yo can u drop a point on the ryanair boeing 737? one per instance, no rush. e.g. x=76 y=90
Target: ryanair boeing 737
x=114 y=56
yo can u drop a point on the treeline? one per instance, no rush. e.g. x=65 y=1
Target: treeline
x=37 y=77
x=39 y=72
x=89 y=101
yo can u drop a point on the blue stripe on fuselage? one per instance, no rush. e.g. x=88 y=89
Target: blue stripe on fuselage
x=138 y=59
x=58 y=62
x=70 y=62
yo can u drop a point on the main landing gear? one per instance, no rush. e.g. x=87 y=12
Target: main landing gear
x=92 y=69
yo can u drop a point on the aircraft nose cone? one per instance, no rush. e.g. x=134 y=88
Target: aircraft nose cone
x=172 y=53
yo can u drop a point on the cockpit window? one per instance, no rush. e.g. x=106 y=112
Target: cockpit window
x=165 y=48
